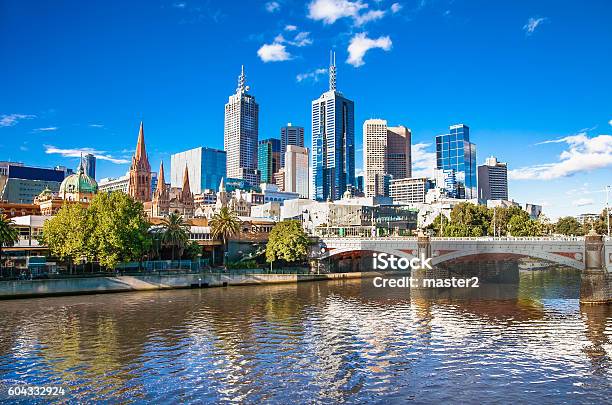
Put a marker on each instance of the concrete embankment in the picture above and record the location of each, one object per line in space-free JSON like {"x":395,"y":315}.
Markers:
{"x":96,"y":285}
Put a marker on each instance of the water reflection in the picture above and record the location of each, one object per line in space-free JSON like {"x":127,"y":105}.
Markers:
{"x":316,"y":342}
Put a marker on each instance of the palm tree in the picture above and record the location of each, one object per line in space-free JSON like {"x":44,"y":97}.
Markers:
{"x":223,"y":225}
{"x":176,"y":232}
{"x":8,"y":234}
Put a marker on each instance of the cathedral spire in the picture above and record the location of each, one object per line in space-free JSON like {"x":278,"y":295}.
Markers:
{"x":141,"y":151}
{"x":186,"y":191}
{"x":161,"y":182}
{"x":332,"y":71}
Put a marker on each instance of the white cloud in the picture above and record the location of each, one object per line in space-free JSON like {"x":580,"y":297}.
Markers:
{"x":582,"y":155}
{"x":423,"y":161}
{"x":272,"y":6}
{"x":610,"y":122}
{"x":274,"y":52}
{"x":395,"y":7}
{"x":180,"y":4}
{"x":290,"y":27}
{"x":329,"y":11}
{"x":314,"y":75}
{"x":96,"y":125}
{"x":9,"y":120}
{"x":99,"y":154}
{"x":371,"y":15}
{"x":532,"y":24}
{"x":360,"y":44}
{"x":46,"y":129}
{"x":302,"y":39}
{"x":581,"y":202}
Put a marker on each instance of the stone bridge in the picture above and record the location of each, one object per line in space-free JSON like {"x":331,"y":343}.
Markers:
{"x":591,"y":254}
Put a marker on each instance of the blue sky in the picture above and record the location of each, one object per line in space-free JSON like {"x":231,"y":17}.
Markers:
{"x":530,"y":78}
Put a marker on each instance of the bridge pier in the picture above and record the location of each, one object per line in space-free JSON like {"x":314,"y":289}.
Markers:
{"x":596,"y":283}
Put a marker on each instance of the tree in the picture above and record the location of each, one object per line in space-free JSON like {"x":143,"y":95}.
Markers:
{"x":523,"y":225}
{"x":601,"y":224}
{"x":223,"y":225}
{"x":68,"y":233}
{"x":8,"y":234}
{"x":287,"y":242}
{"x":568,"y":226}
{"x":176,"y":233}
{"x":192,"y":250}
{"x":119,"y":229}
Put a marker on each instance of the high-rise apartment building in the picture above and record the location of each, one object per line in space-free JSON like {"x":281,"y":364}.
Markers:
{"x":206,"y":166}
{"x":89,"y":165}
{"x":241,"y":131}
{"x":333,"y":142}
{"x":268,"y":159}
{"x":493,"y":180}
{"x":386,"y":156}
{"x":454,"y":151}
{"x":290,"y":135}
{"x":296,"y":170}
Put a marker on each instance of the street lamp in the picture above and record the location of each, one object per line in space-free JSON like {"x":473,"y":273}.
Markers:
{"x":608,"y":207}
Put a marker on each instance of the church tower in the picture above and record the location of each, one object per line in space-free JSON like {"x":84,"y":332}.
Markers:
{"x":140,"y":171}
{"x":161,"y":196}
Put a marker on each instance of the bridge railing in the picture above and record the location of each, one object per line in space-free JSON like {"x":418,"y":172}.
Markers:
{"x":479,"y":238}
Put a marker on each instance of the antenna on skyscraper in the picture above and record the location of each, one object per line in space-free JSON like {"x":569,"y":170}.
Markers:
{"x":332,"y":70}
{"x":241,"y":80}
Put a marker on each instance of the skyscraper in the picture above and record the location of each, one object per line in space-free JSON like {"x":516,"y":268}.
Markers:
{"x":296,"y":170}
{"x":207,"y":166}
{"x":89,"y":165}
{"x":454,"y":151}
{"x":333,"y":142}
{"x":268,"y":159}
{"x":386,"y":156}
{"x":493,"y":180}
{"x":139,"y":186}
{"x":241,"y":134}
{"x":290,"y":135}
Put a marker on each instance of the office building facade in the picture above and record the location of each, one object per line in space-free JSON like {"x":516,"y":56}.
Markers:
{"x":410,"y":190}
{"x":88,"y":162}
{"x":21,"y":184}
{"x":386,"y":156}
{"x":241,"y":132}
{"x":493,"y":180}
{"x":454,"y":151}
{"x":296,"y":170}
{"x":206,"y":167}
{"x":268,"y":159}
{"x":333,"y":143}
{"x":290,"y":135}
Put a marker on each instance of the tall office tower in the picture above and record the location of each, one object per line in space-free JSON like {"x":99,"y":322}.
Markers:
{"x":241,"y":134}
{"x":290,"y":135}
{"x":359,"y":183}
{"x":454,"y":151}
{"x":493,"y":180}
{"x":333,"y":142}
{"x":139,"y":186}
{"x":268,"y":159}
{"x":386,"y":156}
{"x":89,"y":165}
{"x":296,"y":170}
{"x":206,"y":166}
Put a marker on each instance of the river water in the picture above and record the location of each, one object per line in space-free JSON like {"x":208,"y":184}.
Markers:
{"x":314,"y":342}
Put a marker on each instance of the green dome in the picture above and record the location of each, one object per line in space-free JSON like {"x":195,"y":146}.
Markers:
{"x":79,"y":183}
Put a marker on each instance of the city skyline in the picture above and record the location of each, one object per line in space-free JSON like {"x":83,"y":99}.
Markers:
{"x":559,"y":153}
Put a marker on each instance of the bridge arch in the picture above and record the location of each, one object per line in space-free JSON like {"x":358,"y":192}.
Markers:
{"x":537,"y":254}
{"x":330,"y":253}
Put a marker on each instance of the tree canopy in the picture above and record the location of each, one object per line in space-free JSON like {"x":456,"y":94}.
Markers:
{"x":287,"y":242}
{"x":8,"y":234}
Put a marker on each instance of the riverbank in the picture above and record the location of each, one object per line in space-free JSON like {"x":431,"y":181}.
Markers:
{"x":98,"y":285}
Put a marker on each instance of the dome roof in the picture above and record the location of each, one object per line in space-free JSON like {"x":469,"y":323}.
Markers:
{"x":79,"y":183}
{"x":46,"y":192}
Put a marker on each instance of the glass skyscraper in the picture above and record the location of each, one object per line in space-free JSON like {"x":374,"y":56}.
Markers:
{"x":268,"y":159}
{"x":206,"y":167}
{"x":241,"y":131}
{"x":89,"y":165}
{"x":333,"y":143}
{"x":290,"y":135}
{"x":454,"y":151}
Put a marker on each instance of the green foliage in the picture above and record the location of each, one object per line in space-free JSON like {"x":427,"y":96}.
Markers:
{"x":224,"y":224}
{"x":192,"y":250}
{"x":469,"y":220}
{"x":176,"y":233}
{"x":248,"y":264}
{"x":8,"y":234}
{"x":287,"y":242}
{"x":112,"y":229}
{"x":568,"y":226}
{"x":601,"y":224}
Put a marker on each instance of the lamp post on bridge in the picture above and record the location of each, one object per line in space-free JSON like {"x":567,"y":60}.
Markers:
{"x":608,"y":207}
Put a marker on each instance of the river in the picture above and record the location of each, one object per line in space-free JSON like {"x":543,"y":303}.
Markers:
{"x":314,"y":342}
